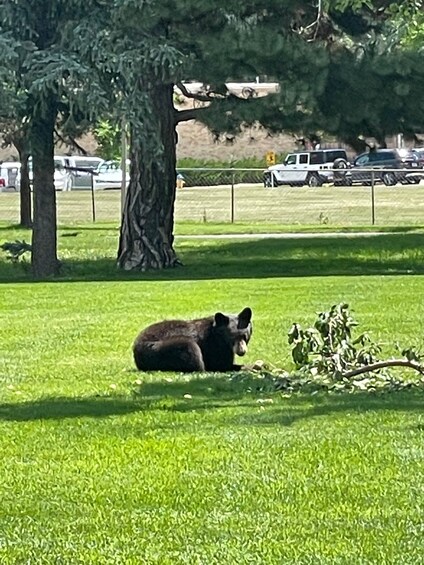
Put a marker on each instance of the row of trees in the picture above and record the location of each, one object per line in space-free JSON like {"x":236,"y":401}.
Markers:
{"x":350,"y":68}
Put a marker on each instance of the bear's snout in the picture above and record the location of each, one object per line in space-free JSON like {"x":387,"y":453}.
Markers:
{"x":240,"y":348}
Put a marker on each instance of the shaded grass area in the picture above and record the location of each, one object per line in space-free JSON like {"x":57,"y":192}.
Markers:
{"x":89,"y":253}
{"x":212,"y":393}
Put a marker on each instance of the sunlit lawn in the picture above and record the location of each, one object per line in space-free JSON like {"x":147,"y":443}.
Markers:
{"x":326,"y":206}
{"x":97,"y":468}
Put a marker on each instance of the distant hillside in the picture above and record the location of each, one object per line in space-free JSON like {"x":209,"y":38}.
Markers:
{"x":195,"y":140}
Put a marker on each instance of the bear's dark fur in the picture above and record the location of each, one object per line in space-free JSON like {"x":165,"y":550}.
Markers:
{"x":206,"y":344}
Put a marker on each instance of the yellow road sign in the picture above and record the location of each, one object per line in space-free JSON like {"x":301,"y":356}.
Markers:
{"x":270,"y":158}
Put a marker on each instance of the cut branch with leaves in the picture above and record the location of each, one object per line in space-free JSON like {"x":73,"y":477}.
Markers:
{"x":328,"y":348}
{"x":329,"y":359}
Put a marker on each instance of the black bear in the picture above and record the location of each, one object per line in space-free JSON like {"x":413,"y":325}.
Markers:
{"x":206,"y":344}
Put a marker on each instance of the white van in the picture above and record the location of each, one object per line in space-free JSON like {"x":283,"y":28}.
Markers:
{"x":66,"y":175}
{"x":81,"y":179}
{"x":9,"y":175}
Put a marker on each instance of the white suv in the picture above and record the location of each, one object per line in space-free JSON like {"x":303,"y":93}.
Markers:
{"x":9,"y":175}
{"x":66,"y":175}
{"x":309,"y":167}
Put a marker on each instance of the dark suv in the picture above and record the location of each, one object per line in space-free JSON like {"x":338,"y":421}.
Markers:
{"x":386,"y":159}
{"x":419,"y":154}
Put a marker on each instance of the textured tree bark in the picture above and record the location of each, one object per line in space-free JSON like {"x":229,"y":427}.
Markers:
{"x":44,"y":238}
{"x":146,"y":238}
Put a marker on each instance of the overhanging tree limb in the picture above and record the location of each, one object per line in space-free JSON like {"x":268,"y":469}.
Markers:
{"x":190,"y":114}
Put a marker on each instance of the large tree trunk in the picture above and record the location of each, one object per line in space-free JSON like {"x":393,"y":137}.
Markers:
{"x":146,"y":239}
{"x":25,"y":189}
{"x":44,"y":237}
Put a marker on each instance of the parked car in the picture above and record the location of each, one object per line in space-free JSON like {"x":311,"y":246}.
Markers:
{"x":80,"y":179}
{"x":9,"y":175}
{"x":419,"y":153}
{"x":109,"y":175}
{"x":61,"y":176}
{"x":309,"y":167}
{"x":66,"y":175}
{"x":382,"y":161}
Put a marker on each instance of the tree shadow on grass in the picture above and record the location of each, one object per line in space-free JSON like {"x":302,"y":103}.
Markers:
{"x":335,"y":405}
{"x":65,"y":407}
{"x":251,"y":391}
{"x":266,"y":258}
{"x":209,"y":393}
{"x":385,"y":254}
{"x":255,"y":403}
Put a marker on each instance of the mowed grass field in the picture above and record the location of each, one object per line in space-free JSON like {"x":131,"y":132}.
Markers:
{"x":102,"y":464}
{"x":298,"y":206}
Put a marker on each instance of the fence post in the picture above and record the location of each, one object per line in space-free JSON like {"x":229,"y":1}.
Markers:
{"x":93,"y":203}
{"x":372,"y":198}
{"x":232,"y":196}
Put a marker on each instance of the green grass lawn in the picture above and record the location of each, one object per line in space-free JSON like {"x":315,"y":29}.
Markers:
{"x":104,"y":465}
{"x":325,"y":206}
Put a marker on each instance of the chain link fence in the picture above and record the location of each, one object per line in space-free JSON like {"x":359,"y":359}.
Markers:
{"x":239,"y":195}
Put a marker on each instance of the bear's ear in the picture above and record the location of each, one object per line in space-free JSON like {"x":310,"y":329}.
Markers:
{"x":244,"y":318}
{"x":221,"y":319}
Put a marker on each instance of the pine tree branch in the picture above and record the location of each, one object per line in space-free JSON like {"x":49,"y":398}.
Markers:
{"x":316,"y":22}
{"x":186,"y":115}
{"x":199,"y":96}
{"x":70,"y":141}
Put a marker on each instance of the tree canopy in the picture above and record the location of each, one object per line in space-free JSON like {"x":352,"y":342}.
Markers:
{"x":350,"y":68}
{"x":342,"y":69}
{"x":45,"y":81}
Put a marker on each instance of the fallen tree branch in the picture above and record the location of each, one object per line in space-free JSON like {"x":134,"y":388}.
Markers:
{"x":382,"y":364}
